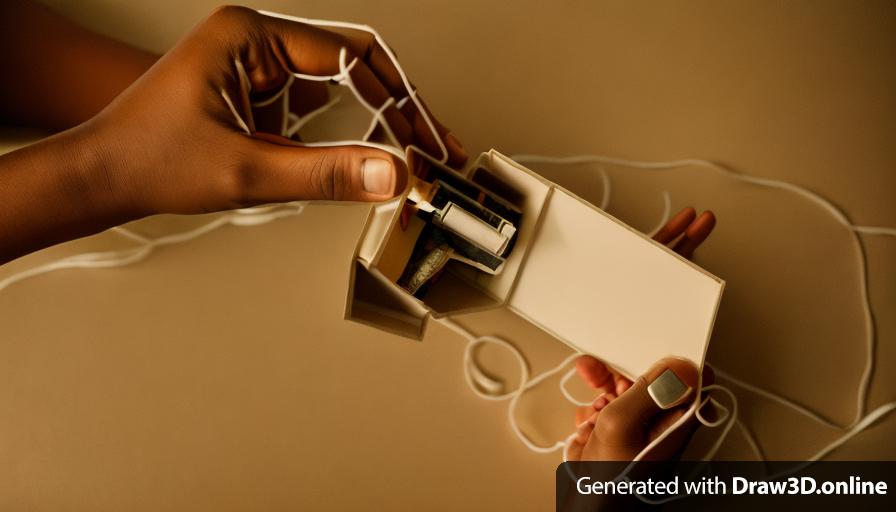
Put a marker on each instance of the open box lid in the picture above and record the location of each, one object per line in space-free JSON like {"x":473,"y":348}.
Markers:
{"x":606,"y":289}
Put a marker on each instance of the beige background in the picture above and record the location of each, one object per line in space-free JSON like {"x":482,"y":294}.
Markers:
{"x":218,"y":374}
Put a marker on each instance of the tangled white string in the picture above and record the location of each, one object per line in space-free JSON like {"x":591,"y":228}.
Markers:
{"x":861,"y":420}
{"x":490,"y":389}
{"x":145,"y":246}
{"x":482,"y":385}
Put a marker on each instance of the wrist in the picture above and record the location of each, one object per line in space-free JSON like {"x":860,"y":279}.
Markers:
{"x":103,"y":172}
{"x":59,"y":189}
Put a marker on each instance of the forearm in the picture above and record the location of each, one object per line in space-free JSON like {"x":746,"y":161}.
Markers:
{"x":171,"y":142}
{"x":55,"y":190}
{"x":57,"y":74}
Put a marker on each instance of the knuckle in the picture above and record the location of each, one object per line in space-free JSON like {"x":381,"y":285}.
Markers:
{"x":228,"y":12}
{"x":330,"y":175}
{"x":359,"y":45}
{"x":367,"y":44}
{"x":234,"y":182}
{"x":230,"y":16}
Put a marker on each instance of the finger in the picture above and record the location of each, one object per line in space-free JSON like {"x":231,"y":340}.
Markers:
{"x":675,"y":441}
{"x":376,"y":94}
{"x":313,"y":51}
{"x":574,"y":452}
{"x":457,"y":155}
{"x":277,"y":172}
{"x":584,"y":429}
{"x":676,"y":226}
{"x":583,"y":413}
{"x":265,"y":73}
{"x":695,"y":234}
{"x":593,"y":372}
{"x":366,"y":45}
{"x":382,"y":65}
{"x":310,"y":50}
{"x":602,"y":401}
{"x":664,"y":421}
{"x":297,"y":47}
{"x":580,"y":439}
{"x":625,"y":420}
{"x":622,"y":384}
{"x":423,"y":133}
{"x":278,"y":46}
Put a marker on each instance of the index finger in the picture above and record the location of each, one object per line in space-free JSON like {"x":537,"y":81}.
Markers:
{"x":313,"y":53}
{"x":366,"y":45}
{"x":428,"y":131}
{"x":594,"y":372}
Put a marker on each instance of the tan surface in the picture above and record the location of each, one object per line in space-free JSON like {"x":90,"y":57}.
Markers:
{"x":219,"y":374}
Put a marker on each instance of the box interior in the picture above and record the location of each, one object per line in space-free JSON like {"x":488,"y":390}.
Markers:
{"x":460,"y":288}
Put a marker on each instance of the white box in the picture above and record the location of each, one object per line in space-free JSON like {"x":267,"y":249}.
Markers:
{"x":575,"y":272}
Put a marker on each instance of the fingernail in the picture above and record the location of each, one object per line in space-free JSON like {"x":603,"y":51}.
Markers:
{"x":454,"y":145}
{"x":600,"y":402}
{"x":667,"y":390}
{"x":377,"y":176}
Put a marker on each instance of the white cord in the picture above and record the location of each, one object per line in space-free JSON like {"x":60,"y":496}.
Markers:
{"x":667,"y":211}
{"x":479,"y":382}
{"x":284,"y":109}
{"x":299,"y":122}
{"x":392,"y":58}
{"x":119,"y":258}
{"x":566,"y":394}
{"x":267,"y":101}
{"x":491,"y":390}
{"x":239,"y":119}
{"x":861,"y":420}
{"x":472,"y":375}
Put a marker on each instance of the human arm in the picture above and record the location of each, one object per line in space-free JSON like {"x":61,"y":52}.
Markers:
{"x":171,"y":144}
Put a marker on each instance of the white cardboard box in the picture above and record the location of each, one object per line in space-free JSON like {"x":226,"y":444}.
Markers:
{"x":576,"y":272}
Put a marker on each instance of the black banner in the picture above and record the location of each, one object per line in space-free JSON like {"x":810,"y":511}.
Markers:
{"x":770,"y":486}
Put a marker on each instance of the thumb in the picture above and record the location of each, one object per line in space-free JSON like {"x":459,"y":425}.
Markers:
{"x":277,"y":170}
{"x":623,"y":425}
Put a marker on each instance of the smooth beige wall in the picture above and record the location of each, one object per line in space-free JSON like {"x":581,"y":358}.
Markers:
{"x":219,"y":374}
